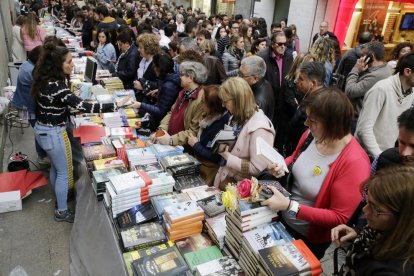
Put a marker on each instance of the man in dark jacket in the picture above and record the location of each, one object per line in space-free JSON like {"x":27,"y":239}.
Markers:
{"x":278,"y":64}
{"x":127,"y":63}
{"x":310,"y":79}
{"x":253,"y":70}
{"x":323,"y":31}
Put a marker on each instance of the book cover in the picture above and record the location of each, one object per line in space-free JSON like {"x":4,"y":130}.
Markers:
{"x":202,"y":256}
{"x":225,"y":266}
{"x":131,"y":256}
{"x":182,"y":211}
{"x":98,"y":152}
{"x":161,"y":201}
{"x":177,"y":160}
{"x":102,"y":176}
{"x":212,"y":205}
{"x":143,"y":234}
{"x":268,"y":154}
{"x":266,"y":236}
{"x":290,"y":258}
{"x":150,"y":168}
{"x":127,"y":182}
{"x":188,"y":181}
{"x":267,"y":193}
{"x":136,"y":215}
{"x":167,"y":262}
{"x":193,"y":243}
{"x":108,"y":163}
{"x":200,"y":192}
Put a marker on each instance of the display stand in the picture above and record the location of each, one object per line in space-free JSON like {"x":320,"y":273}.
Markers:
{"x":94,"y":247}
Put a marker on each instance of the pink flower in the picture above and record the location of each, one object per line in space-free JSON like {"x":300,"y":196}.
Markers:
{"x":244,"y":188}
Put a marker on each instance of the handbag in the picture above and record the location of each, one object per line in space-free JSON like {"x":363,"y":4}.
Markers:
{"x":338,"y":270}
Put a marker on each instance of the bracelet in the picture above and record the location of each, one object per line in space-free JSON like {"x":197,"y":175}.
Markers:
{"x":290,"y":202}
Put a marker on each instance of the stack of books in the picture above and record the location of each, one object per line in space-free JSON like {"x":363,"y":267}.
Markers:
{"x":112,"y":84}
{"x":162,"y":201}
{"x":130,"y":257}
{"x":92,"y":120}
{"x":141,"y":156}
{"x":216,"y":229}
{"x":166,"y":150}
{"x":180,"y":164}
{"x":114,"y":119}
{"x":225,"y":266}
{"x":123,"y":132}
{"x":291,"y":258}
{"x":162,"y":183}
{"x":100,"y":178}
{"x":198,"y":249}
{"x":126,"y":191}
{"x":263,"y":237}
{"x":246,"y":217}
{"x":142,"y":236}
{"x":97,"y":152}
{"x":183,"y":219}
{"x":104,"y":98}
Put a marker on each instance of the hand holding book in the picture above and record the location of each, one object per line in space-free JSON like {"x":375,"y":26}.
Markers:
{"x":278,"y":201}
{"x":276,"y":169}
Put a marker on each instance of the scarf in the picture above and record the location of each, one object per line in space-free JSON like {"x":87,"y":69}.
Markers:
{"x":206,"y":122}
{"x":360,"y":249}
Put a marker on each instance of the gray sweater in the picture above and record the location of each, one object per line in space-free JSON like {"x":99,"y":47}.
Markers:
{"x":377,"y":128}
{"x":358,"y":84}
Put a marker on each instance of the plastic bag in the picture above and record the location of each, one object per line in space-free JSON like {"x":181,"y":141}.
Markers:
{"x":18,"y":271}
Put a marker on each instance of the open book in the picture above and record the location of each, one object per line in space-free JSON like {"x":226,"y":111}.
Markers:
{"x":269,"y":154}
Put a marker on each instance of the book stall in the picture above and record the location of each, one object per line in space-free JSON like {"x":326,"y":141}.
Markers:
{"x":143,"y":209}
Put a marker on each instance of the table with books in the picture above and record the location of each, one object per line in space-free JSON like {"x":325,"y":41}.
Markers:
{"x":143,"y":209}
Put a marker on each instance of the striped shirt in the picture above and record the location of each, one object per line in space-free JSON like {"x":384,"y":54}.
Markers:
{"x":54,"y":101}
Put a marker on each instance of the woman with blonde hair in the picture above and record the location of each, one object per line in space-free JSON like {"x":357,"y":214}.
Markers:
{"x":385,"y":246}
{"x":248,"y":123}
{"x":31,"y":33}
{"x":324,"y":52}
{"x":148,"y":46}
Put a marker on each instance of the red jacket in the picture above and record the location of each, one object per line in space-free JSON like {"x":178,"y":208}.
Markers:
{"x":339,"y":195}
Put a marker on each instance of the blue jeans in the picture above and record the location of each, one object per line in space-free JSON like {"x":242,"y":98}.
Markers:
{"x":54,"y":140}
{"x":40,"y":152}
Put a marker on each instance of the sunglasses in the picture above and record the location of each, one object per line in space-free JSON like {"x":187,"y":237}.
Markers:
{"x":280,"y":44}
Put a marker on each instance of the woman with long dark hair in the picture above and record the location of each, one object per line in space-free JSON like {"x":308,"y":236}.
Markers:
{"x":53,"y":98}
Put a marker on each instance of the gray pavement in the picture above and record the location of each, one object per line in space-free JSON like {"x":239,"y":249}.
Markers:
{"x":32,"y":239}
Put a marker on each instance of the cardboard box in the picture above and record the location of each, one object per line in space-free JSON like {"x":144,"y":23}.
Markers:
{"x":10,"y":201}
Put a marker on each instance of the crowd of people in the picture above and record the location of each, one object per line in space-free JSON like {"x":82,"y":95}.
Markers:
{"x":343,"y":123}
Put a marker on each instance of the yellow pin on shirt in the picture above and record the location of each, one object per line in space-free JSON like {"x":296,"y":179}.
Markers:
{"x":317,"y":171}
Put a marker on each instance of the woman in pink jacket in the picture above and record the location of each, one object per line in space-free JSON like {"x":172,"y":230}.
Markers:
{"x":327,"y":169}
{"x":248,"y":123}
{"x":31,"y":33}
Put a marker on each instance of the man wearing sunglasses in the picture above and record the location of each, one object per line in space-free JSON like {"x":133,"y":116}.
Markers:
{"x":278,"y":63}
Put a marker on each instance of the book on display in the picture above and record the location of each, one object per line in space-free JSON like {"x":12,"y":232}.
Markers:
{"x":143,"y":235}
{"x":225,"y":266}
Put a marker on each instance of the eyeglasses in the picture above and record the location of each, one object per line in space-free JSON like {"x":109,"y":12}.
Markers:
{"x":377,"y":212}
{"x":244,"y":76}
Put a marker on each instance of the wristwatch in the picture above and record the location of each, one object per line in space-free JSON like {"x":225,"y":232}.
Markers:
{"x":293,"y":210}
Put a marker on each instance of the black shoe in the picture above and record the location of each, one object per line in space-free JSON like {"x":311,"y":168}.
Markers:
{"x":66,"y":215}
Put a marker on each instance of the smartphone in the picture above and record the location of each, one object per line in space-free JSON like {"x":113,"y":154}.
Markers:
{"x":369,"y":58}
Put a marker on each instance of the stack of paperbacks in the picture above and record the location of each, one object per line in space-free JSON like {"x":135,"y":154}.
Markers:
{"x":262,"y":237}
{"x":101,"y":178}
{"x":166,"y":150}
{"x":90,"y":134}
{"x":114,"y":119}
{"x":141,"y":156}
{"x":23,"y":181}
{"x":216,"y":228}
{"x":246,"y":217}
{"x":97,"y":152}
{"x":291,"y":258}
{"x":183,"y":219}
{"x":198,"y":249}
{"x":142,"y":236}
{"x":126,"y":190}
{"x":112,"y":84}
{"x":162,"y":201}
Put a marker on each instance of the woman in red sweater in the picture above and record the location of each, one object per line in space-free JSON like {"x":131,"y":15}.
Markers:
{"x":327,"y":168}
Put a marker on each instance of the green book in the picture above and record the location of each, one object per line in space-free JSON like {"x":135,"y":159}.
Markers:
{"x":202,"y":256}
